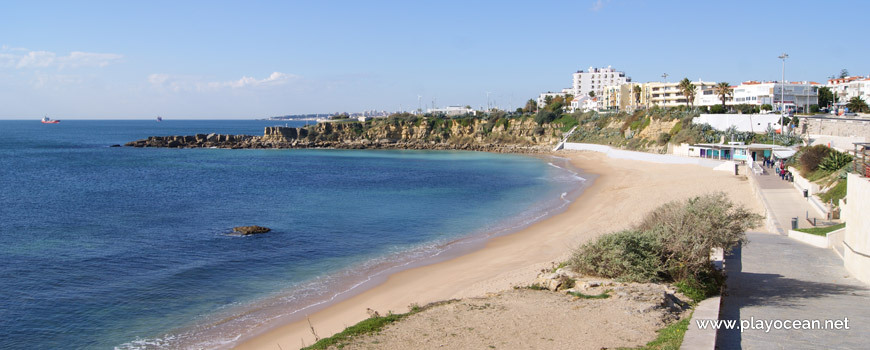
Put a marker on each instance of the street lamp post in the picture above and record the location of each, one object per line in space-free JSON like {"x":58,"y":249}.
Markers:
{"x":665,"y":86}
{"x":782,"y":95}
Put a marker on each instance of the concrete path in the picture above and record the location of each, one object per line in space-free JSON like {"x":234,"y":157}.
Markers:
{"x":786,"y":202}
{"x":776,"y":278}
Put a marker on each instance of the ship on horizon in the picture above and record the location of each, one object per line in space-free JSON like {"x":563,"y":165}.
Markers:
{"x":159,"y":118}
{"x":47,"y":120}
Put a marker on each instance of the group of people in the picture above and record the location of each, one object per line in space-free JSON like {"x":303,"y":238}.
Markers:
{"x":780,"y":167}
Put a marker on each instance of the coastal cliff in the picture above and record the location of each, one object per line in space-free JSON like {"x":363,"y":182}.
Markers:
{"x":501,"y":135}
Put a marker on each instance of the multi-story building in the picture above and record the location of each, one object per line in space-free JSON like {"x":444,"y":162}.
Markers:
{"x":623,"y":97}
{"x":669,"y":94}
{"x":596,"y":79}
{"x":847,"y":88}
{"x":791,"y":95}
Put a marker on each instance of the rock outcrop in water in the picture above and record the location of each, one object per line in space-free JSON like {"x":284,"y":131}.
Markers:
{"x":250,"y":230}
{"x":503,"y":135}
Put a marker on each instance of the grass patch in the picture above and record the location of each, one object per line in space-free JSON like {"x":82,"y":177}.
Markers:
{"x":670,"y":337}
{"x":368,"y":326}
{"x":604,"y":295}
{"x":822,"y":231}
{"x":532,"y":287}
{"x":835,"y":194}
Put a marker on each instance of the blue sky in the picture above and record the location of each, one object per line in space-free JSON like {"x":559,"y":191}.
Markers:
{"x":253,"y":59}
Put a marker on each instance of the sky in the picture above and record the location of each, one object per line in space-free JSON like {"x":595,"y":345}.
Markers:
{"x":255,"y":59}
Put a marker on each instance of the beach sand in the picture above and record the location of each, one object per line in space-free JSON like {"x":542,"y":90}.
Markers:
{"x":624,"y":191}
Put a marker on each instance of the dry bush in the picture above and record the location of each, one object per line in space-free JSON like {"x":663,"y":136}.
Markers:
{"x":689,"y":230}
{"x":672,"y":243}
{"x":811,"y":157}
{"x":631,"y":256}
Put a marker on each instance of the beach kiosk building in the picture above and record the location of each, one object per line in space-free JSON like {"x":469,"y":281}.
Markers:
{"x":737,"y":151}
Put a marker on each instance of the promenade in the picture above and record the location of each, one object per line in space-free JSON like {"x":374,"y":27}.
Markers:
{"x":785,"y":202}
{"x":776,"y":278}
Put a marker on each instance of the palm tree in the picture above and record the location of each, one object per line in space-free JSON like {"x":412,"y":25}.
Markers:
{"x":637,"y":91}
{"x":688,"y":90}
{"x":723,"y":90}
{"x":856,"y":104}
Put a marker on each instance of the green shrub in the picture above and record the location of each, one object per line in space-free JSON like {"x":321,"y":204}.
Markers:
{"x":717,"y":109}
{"x":701,"y":287}
{"x":632,"y":256}
{"x":545,"y":117}
{"x":834,"y":161}
{"x":663,"y":138}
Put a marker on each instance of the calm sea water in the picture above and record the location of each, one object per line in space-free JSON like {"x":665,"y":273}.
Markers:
{"x":127,"y":248}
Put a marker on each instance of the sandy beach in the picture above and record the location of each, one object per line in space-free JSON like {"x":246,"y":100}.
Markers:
{"x":622,"y":193}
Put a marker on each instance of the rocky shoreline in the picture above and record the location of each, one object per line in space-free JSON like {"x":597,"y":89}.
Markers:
{"x":521,"y":137}
{"x":255,"y":142}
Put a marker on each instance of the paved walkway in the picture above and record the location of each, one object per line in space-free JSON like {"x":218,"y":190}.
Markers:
{"x":776,"y":278}
{"x":786,"y":202}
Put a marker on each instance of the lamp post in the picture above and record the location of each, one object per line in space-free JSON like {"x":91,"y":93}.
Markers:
{"x":664,"y":86}
{"x":782,"y":94}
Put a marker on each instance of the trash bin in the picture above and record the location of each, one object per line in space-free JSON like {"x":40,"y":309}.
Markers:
{"x":794,"y":222}
{"x":806,"y":193}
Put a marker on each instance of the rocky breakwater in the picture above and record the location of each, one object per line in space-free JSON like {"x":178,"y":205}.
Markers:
{"x":198,"y":140}
{"x":503,"y":135}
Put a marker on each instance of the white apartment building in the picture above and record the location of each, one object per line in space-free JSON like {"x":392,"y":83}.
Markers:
{"x":849,"y":87}
{"x":669,"y":94}
{"x":596,"y":79}
{"x":792,"y":95}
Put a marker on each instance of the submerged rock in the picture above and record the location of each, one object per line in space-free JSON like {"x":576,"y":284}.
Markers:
{"x":250,"y":230}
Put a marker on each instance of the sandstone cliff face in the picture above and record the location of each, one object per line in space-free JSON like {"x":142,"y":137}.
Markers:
{"x":514,"y":135}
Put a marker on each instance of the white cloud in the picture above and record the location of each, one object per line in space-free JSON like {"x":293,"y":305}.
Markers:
{"x":599,"y":4}
{"x":178,"y":83}
{"x":43,"y":80}
{"x":11,"y":57}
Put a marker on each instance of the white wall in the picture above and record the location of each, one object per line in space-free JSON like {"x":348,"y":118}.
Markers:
{"x":643,"y":156}
{"x":744,"y":122}
{"x":856,"y":241}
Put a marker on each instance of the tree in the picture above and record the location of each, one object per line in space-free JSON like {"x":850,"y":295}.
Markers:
{"x":844,"y":73}
{"x":826,"y":97}
{"x":688,"y":90}
{"x":856,"y":104}
{"x":723,"y":90}
{"x":548,"y":99}
{"x":637,"y":91}
{"x":766,"y":107}
{"x":531,"y":106}
{"x":591,"y":93}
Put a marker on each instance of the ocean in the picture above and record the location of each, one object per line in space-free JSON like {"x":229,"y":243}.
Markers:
{"x":129,"y":248}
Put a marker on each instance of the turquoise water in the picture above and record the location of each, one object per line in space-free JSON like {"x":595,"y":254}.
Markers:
{"x":128,"y":248}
